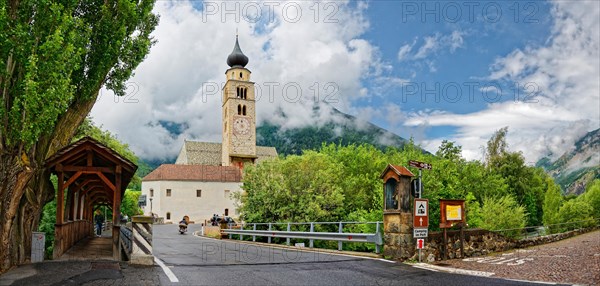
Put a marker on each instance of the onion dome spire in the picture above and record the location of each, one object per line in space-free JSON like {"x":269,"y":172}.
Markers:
{"x":237,"y":58}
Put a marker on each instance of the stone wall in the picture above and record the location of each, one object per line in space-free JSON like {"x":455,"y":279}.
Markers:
{"x":479,"y":242}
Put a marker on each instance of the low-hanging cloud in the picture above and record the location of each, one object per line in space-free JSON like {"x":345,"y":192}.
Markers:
{"x":297,"y":61}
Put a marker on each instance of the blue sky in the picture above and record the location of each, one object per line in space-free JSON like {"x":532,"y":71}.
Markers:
{"x":385,"y":62}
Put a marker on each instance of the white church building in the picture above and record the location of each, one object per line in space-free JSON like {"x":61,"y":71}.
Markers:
{"x":205,"y":175}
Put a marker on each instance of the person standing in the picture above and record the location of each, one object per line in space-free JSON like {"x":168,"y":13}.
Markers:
{"x":99,"y":219}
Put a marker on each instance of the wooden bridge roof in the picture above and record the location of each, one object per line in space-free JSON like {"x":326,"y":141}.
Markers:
{"x":93,"y":168}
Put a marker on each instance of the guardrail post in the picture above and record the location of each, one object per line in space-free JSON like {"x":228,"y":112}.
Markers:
{"x":229,"y":227}
{"x":287,"y":241}
{"x":254,"y":236}
{"x":312,"y":229}
{"x":141,"y":248}
{"x":269,"y":238}
{"x":341,"y":229}
{"x":377,"y":246}
{"x":241,"y":228}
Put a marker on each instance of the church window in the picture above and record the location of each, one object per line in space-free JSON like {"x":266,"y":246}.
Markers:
{"x":232,"y":75}
{"x":238,"y":92}
{"x":240,"y":74}
{"x":151,"y":192}
{"x":168,"y":215}
{"x":239,"y":109}
{"x":244,"y":93}
{"x":168,"y":192}
{"x":198,"y":193}
{"x":226,"y":212}
{"x":244,"y":110}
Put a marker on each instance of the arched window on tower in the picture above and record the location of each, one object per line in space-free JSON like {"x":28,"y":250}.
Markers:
{"x":238,"y":92}
{"x":239,"y":109}
{"x":245,"y":93}
{"x":244,"y":110}
{"x":232,"y":75}
{"x":240,"y":75}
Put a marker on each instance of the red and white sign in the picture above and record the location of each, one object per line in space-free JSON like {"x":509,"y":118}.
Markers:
{"x":420,"y":165}
{"x":420,"y":243}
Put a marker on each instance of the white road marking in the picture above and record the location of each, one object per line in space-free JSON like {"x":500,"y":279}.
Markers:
{"x":166,"y":269}
{"x":527,"y":281}
{"x":453,"y":270}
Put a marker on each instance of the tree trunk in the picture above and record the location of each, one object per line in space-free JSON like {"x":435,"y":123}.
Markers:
{"x":25,"y":186}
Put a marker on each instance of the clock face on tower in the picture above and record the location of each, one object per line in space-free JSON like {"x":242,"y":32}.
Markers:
{"x":241,"y":125}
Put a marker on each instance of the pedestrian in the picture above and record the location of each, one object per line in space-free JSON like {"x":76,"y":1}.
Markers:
{"x":99,"y":221}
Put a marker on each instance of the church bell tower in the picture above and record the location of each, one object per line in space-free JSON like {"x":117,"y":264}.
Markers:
{"x":239,"y":115}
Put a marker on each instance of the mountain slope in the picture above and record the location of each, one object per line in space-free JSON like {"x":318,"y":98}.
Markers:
{"x":575,"y":169}
{"x":344,"y":129}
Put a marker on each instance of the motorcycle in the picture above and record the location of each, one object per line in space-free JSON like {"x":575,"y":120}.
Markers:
{"x":182,"y":228}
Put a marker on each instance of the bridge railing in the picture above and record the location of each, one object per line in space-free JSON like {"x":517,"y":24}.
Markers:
{"x":312,"y":235}
{"x":125,"y":237}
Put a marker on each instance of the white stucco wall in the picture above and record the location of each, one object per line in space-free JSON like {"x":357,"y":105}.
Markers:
{"x":183,"y":200}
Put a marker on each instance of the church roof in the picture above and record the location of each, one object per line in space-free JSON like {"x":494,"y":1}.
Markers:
{"x":208,"y":153}
{"x":173,"y":172}
{"x":237,"y":57}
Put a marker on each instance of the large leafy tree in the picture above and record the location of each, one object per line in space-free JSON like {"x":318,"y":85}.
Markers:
{"x":54,"y":58}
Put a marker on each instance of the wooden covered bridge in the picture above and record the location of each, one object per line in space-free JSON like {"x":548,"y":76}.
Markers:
{"x":90,"y":175}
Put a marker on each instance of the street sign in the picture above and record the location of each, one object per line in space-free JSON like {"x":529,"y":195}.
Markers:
{"x":420,"y":232}
{"x":420,"y":165}
{"x":142,"y":201}
{"x":421,"y":213}
{"x":420,"y":243}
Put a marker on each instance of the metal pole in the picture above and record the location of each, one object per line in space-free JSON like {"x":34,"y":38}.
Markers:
{"x":254,"y":236}
{"x":229,"y":226}
{"x":377,"y":246}
{"x":241,"y":228}
{"x":269,"y":238}
{"x":420,"y":183}
{"x":339,"y":242}
{"x":287,"y":241}
{"x":312,"y":229}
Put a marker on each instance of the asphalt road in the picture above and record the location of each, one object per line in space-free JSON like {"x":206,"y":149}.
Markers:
{"x":202,"y":261}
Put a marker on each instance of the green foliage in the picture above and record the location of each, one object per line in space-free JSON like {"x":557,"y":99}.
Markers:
{"x":129,"y":203}
{"x":504,"y":214}
{"x":526,"y":184}
{"x":59,"y":53}
{"x":552,"y":203}
{"x":575,"y":214}
{"x":592,"y":197}
{"x":87,"y":128}
{"x":47,"y":222}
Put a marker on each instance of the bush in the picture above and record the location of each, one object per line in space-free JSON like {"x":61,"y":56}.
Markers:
{"x":503,"y":214}
{"x":575,"y":214}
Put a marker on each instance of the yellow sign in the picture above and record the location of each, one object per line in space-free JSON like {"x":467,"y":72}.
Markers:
{"x":453,"y":212}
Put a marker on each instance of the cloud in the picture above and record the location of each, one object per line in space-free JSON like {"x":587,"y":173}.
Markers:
{"x":564,"y":73}
{"x":180,"y":81}
{"x":431,"y":45}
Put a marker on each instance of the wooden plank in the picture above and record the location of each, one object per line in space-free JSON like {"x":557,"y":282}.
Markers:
{"x":60,"y":199}
{"x":71,"y":180}
{"x":106,"y":181}
{"x":89,"y":169}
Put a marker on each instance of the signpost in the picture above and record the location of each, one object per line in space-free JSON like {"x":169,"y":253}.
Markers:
{"x":421,"y":208}
{"x":452,"y":213}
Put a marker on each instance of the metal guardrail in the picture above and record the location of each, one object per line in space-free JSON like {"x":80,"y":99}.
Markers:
{"x":340,"y":236}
